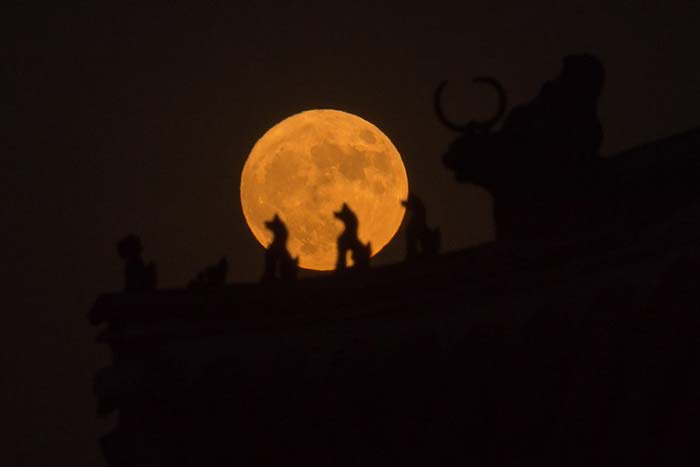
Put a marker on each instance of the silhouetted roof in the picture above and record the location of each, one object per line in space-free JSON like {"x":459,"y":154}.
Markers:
{"x":457,"y":281}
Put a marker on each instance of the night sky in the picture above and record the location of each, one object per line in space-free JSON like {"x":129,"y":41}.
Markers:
{"x":139,"y":119}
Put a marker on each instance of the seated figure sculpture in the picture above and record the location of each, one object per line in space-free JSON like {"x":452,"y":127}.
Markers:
{"x":421,"y":240}
{"x":138,"y":277}
{"x":279,"y":264}
{"x":348,"y":241}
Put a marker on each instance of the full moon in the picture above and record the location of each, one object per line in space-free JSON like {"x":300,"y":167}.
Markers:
{"x":306,"y":166}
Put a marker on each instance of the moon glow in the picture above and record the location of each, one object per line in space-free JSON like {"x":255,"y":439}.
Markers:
{"x":306,"y":166}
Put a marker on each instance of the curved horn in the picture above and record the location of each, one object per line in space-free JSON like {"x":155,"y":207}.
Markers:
{"x":437,"y":101}
{"x":502,"y":101}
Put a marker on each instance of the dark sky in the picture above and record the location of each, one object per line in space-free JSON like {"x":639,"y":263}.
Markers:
{"x":131,"y":118}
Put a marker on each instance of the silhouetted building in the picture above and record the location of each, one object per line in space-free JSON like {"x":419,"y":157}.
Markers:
{"x":578,"y":351}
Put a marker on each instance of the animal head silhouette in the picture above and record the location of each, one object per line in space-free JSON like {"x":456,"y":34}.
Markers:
{"x":346,"y":216}
{"x":532,"y":134}
{"x":277,"y":227}
{"x":463,"y":153}
{"x":413,"y":203}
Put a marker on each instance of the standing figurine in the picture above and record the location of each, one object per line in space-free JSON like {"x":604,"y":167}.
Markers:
{"x":138,"y":277}
{"x":421,"y":241}
{"x":348,"y":241}
{"x":279,"y":263}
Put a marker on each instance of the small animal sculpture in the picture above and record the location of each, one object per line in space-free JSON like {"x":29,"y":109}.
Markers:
{"x":279,"y":264}
{"x":138,"y":277}
{"x":421,"y":241}
{"x":348,"y":241}
{"x":212,"y":277}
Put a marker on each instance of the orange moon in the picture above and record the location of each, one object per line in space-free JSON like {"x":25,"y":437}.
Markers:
{"x":306,"y":166}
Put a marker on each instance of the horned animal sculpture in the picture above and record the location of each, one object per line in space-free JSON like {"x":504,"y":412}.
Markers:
{"x":544,"y":151}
